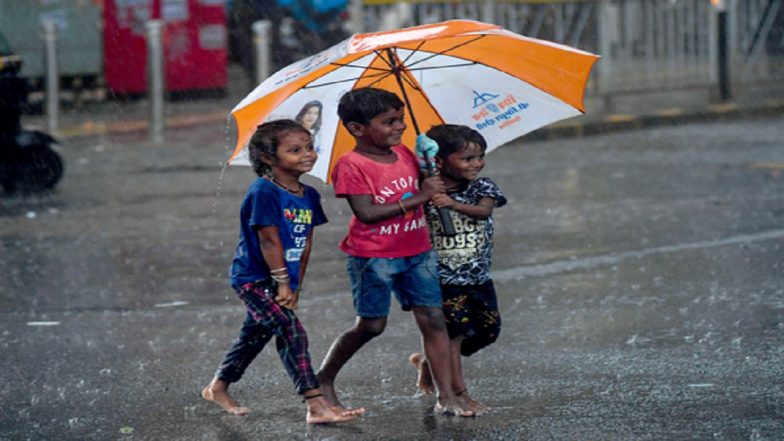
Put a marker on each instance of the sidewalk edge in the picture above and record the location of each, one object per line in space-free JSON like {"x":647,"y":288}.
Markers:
{"x":578,"y":126}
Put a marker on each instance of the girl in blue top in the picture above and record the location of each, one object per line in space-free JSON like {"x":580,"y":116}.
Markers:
{"x":276,"y":229}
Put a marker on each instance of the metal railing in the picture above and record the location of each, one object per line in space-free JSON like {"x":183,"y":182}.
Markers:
{"x":654,"y":44}
{"x":645,"y":44}
{"x":758,"y":29}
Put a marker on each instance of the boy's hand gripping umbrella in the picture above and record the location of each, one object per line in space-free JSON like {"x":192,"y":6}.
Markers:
{"x":426,"y":150}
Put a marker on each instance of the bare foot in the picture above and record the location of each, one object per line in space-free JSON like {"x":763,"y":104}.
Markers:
{"x":218,"y":392}
{"x":424,"y":380}
{"x":476,"y":406}
{"x":328,"y":391}
{"x":320,"y":411}
{"x":452,"y":407}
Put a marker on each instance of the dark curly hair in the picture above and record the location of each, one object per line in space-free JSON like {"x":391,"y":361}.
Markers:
{"x":265,"y":142}
{"x":363,"y":104}
{"x":452,"y":138}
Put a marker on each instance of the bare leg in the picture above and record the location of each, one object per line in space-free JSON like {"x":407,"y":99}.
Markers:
{"x":424,"y":379}
{"x":364,"y":330}
{"x":439,"y":355}
{"x":458,"y":385}
{"x":218,"y":392}
{"x":321,"y":411}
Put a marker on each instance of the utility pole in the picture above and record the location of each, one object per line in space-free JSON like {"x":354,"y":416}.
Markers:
{"x":52,"y":77}
{"x":722,"y":49}
{"x":155,"y":79}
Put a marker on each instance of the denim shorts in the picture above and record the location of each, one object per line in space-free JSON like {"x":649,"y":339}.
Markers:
{"x":414,"y":280}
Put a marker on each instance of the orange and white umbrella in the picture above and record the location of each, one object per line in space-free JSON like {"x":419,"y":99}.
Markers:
{"x":462,"y":72}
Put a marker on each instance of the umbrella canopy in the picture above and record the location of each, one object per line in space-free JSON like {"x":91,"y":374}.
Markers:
{"x":462,"y":72}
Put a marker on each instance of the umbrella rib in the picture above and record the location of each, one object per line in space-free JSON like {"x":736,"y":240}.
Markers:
{"x":435,"y":54}
{"x":389,"y":62}
{"x":473,"y":63}
{"x":379,"y":80}
{"x":422,"y":43}
{"x":410,"y":82}
{"x":382,"y":74}
{"x":403,"y":68}
{"x":359,"y":67}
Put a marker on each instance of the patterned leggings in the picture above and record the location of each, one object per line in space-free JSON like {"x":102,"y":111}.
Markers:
{"x":264,"y":320}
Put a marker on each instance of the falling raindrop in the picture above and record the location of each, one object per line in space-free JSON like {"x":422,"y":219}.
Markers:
{"x":218,"y":189}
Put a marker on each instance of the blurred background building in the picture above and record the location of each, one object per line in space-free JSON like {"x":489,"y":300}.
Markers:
{"x":646,"y":45}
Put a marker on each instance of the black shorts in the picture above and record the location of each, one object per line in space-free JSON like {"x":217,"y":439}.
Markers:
{"x":471,"y":311}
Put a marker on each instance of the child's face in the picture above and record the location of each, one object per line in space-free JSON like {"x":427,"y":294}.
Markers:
{"x":295,"y":154}
{"x":386,"y":129}
{"x":464,"y":164}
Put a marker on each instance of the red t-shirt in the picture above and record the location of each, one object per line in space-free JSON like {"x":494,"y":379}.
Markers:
{"x":400,"y":236}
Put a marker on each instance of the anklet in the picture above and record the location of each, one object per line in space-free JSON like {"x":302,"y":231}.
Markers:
{"x":311,"y":397}
{"x":461,"y":392}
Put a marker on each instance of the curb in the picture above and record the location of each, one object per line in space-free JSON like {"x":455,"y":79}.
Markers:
{"x":665,"y":117}
{"x":579,"y":127}
{"x":91,"y":128}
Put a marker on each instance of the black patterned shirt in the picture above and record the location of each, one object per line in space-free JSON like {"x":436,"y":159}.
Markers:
{"x":464,"y":259}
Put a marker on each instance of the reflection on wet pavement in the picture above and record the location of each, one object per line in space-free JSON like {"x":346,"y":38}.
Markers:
{"x":639,"y":274}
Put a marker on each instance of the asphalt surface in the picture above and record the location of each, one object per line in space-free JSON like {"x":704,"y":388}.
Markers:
{"x":639,"y":275}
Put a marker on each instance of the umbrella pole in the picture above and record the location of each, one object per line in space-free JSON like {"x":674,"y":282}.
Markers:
{"x":443,"y":213}
{"x":396,"y":69}
{"x":408,"y":104}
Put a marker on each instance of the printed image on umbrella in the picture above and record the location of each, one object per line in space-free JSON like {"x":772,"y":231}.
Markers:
{"x":462,"y":72}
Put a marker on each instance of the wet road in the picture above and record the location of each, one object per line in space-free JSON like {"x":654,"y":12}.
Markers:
{"x":640,"y":276}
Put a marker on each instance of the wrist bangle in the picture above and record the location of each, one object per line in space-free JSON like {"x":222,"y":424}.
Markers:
{"x":402,"y":208}
{"x":280,"y":278}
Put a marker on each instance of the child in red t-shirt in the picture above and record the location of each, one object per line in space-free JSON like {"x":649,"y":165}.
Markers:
{"x":388,"y":242}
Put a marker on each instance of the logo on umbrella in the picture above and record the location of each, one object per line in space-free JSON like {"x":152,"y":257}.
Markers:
{"x":482,"y":98}
{"x":503,"y":112}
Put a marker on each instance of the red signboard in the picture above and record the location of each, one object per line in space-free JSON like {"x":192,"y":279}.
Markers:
{"x":194,"y":41}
